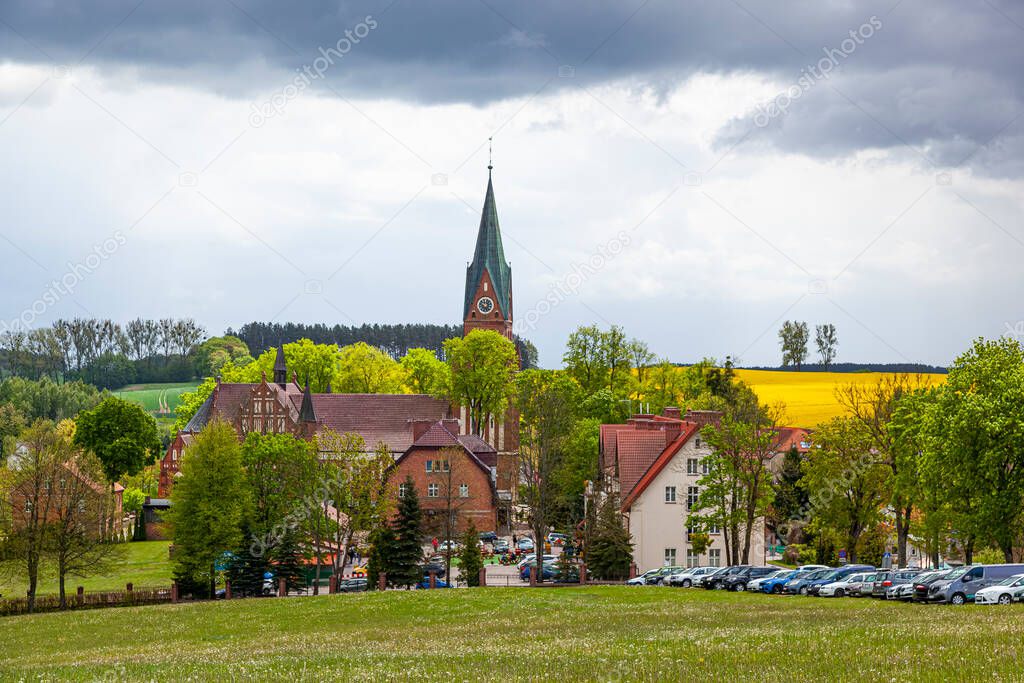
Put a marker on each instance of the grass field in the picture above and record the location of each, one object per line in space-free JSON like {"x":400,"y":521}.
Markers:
{"x":156,"y":398}
{"x":145,"y":564}
{"x":809,"y":396}
{"x":566,"y":634}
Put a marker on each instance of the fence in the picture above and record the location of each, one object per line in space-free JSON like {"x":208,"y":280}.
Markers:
{"x":92,"y":600}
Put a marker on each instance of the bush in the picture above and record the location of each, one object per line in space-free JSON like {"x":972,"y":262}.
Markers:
{"x":470,"y":559}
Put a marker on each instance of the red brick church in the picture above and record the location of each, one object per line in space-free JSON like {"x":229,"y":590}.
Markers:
{"x":429,"y":438}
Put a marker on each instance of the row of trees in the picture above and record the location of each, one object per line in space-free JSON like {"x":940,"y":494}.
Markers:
{"x":103,"y":352}
{"x":794,"y":336}
{"x":396,"y":340}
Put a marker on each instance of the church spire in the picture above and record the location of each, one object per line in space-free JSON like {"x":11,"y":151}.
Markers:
{"x":306,"y":411}
{"x":280,"y":368}
{"x":488,"y":299}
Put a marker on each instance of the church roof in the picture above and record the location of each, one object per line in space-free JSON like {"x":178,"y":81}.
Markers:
{"x":490,"y":257}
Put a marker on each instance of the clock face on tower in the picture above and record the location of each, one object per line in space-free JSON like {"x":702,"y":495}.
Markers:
{"x":485,"y":305}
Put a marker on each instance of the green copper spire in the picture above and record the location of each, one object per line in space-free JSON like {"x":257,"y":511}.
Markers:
{"x":489,"y":257}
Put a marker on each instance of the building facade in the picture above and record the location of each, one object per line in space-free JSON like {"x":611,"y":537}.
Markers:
{"x":654,"y":463}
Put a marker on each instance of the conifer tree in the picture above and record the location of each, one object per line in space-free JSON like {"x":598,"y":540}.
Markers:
{"x":407,"y":553}
{"x":610,"y":551}
{"x":382,"y":546}
{"x":470,"y":559}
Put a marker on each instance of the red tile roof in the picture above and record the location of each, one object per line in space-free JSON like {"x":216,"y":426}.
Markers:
{"x":376,"y":417}
{"x":637,"y":451}
{"x":663,"y":459}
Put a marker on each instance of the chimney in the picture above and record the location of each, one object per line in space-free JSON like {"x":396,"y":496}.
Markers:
{"x":419,"y":428}
{"x":452,"y":425}
{"x":704,"y":417}
{"x":672,"y":430}
{"x":671,"y":412}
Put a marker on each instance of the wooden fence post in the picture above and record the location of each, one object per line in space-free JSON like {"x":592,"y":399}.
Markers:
{"x":433,"y":579}
{"x":282,"y":587}
{"x":227,"y":589}
{"x":632,"y":570}
{"x":483,"y":577}
{"x":174,"y":591}
{"x":382,"y":581}
{"x":583,"y":572}
{"x":332,"y":584}
{"x":533,"y":575}
{"x":80,"y":596}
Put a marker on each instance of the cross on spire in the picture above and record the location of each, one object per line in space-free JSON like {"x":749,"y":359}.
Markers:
{"x":490,"y":154}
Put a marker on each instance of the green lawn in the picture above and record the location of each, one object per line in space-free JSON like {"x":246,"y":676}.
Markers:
{"x":565,"y":634}
{"x":145,"y":564}
{"x":153,"y":397}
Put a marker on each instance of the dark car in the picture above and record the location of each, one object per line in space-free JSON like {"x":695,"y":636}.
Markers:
{"x":738,"y":581}
{"x":798,"y":584}
{"x":923,"y":581}
{"x":488,"y":536}
{"x":356,"y":585}
{"x":438,"y":583}
{"x":717,"y":581}
{"x":884,"y":579}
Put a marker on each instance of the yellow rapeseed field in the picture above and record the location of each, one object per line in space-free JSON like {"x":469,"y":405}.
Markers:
{"x":809,"y":396}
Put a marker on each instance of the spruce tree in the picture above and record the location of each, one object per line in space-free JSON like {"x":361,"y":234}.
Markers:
{"x":470,"y":558}
{"x":288,"y":561}
{"x":407,"y":553}
{"x":247,"y":566}
{"x":610,"y":551}
{"x":382,"y":548}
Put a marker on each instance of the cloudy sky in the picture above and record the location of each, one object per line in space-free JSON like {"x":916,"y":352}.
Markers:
{"x":697,"y":172}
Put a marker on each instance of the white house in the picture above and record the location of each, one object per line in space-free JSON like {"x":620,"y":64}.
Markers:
{"x":655,"y":462}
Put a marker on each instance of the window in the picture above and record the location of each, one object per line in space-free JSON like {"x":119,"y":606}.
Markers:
{"x":697,"y":442}
{"x":670,"y":557}
{"x":670,"y":494}
{"x":463,"y":490}
{"x":445,"y":466}
{"x":402,"y":490}
{"x":430,"y":466}
{"x":691,"y":465}
{"x":704,"y":467}
{"x":691,"y":529}
{"x":692,"y":559}
{"x":692,"y":493}
{"x":432,"y":491}
{"x":28,"y":505}
{"x":438,"y":466}
{"x":715,"y":557}
{"x":81,"y":505}
{"x":713,"y":529}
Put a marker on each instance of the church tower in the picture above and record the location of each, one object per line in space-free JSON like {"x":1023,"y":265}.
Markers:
{"x":488,"y":301}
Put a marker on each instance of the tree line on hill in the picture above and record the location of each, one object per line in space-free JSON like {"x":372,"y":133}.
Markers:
{"x":103,"y":352}
{"x":393,"y":339}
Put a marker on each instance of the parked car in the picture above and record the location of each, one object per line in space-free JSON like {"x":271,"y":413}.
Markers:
{"x":774,"y":584}
{"x":448,"y":547}
{"x":689,"y":577}
{"x":532,"y":559}
{"x":737,"y":581}
{"x":424,"y":584}
{"x":812,"y":567}
{"x":501,"y":546}
{"x":436,"y":566}
{"x":548,"y":572}
{"x":353,"y":585}
{"x":706,"y":580}
{"x":798,"y":584}
{"x":755,"y":584}
{"x":842,"y":586}
{"x":525,"y":544}
{"x":855,"y":583}
{"x":1010,"y":589}
{"x":904,"y":592}
{"x":813,"y":587}
{"x":887,"y":578}
{"x":866,"y":586}
{"x":662,"y":574}
{"x":717,"y":581}
{"x":963,"y":583}
{"x":922,"y":582}
{"x":488,"y":536}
